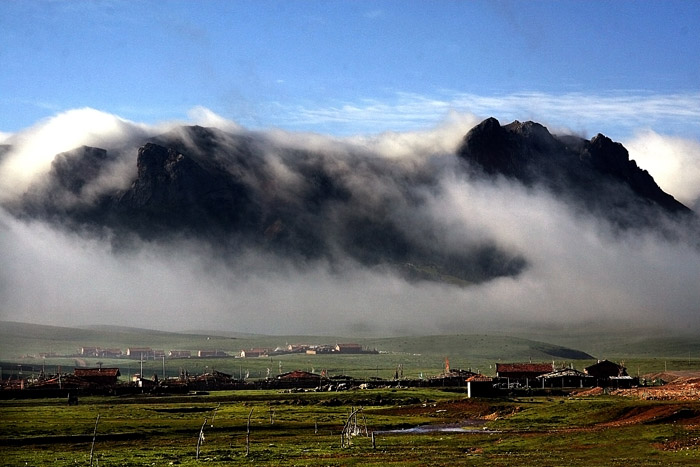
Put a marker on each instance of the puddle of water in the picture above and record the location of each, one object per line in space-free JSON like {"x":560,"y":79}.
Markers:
{"x":438,"y":429}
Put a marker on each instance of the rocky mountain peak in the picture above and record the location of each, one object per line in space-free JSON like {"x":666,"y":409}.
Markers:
{"x":489,"y":146}
{"x":535,"y":136}
{"x":609,"y":157}
{"x":598,"y":172}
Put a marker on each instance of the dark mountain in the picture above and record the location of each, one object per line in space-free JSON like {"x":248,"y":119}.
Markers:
{"x":597,"y":174}
{"x":342,"y":204}
{"x":179,"y":191}
{"x":73,"y":169}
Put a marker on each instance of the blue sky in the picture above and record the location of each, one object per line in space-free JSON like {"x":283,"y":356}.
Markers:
{"x":346,"y":67}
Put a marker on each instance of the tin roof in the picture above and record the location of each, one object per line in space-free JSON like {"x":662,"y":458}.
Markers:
{"x":564,"y":372}
{"x":92,"y":372}
{"x":523,"y":367}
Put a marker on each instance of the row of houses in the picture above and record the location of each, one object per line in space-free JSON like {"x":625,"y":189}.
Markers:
{"x":86,"y":351}
{"x":533,"y":377}
{"x":81,"y":378}
{"x":346,"y":348}
{"x":520,"y":375}
{"x":145,"y":353}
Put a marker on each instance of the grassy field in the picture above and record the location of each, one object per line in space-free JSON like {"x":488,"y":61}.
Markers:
{"x":305,"y":429}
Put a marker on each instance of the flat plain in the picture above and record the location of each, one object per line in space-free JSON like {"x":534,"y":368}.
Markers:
{"x":393,"y":426}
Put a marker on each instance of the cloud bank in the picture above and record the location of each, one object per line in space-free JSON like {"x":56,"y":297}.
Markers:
{"x":674,"y":162}
{"x":579,"y":270}
{"x":618,"y":113}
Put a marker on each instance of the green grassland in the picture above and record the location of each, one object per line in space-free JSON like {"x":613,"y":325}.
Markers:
{"x":305,"y":429}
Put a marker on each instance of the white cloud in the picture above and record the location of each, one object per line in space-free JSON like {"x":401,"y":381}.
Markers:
{"x":205,"y":117}
{"x":615,"y":114}
{"x":578,"y":272}
{"x":578,"y":269}
{"x":623,"y":109}
{"x":673,"y":162}
{"x":34,"y":149}
{"x":442,"y":139}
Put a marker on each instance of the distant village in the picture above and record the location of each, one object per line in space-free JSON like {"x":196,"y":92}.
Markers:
{"x":147,"y":353}
{"x":529,"y":378}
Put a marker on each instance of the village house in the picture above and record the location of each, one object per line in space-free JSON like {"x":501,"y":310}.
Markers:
{"x":522,"y":373}
{"x":179,"y":354}
{"x":254,"y":353}
{"x":605,"y":369}
{"x":320,"y":349}
{"x":143,"y":382}
{"x":566,"y":378}
{"x":479,"y":386}
{"x":139,"y":352}
{"x":610,"y":374}
{"x":98,"y":376}
{"x":215,"y":376}
{"x":348,"y":348}
{"x":99,"y":352}
{"x":89,"y":351}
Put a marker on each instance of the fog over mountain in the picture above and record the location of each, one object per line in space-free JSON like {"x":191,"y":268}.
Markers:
{"x":471,"y":225}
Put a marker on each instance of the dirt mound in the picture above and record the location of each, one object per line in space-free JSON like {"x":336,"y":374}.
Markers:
{"x":671,"y":413}
{"x":638,"y":415}
{"x":688,"y":376}
{"x":685,"y":389}
{"x":680,"y":386}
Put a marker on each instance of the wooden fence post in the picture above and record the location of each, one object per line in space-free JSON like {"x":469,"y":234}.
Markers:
{"x":201,"y":438}
{"x":247,"y":434}
{"x":94,"y":436}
